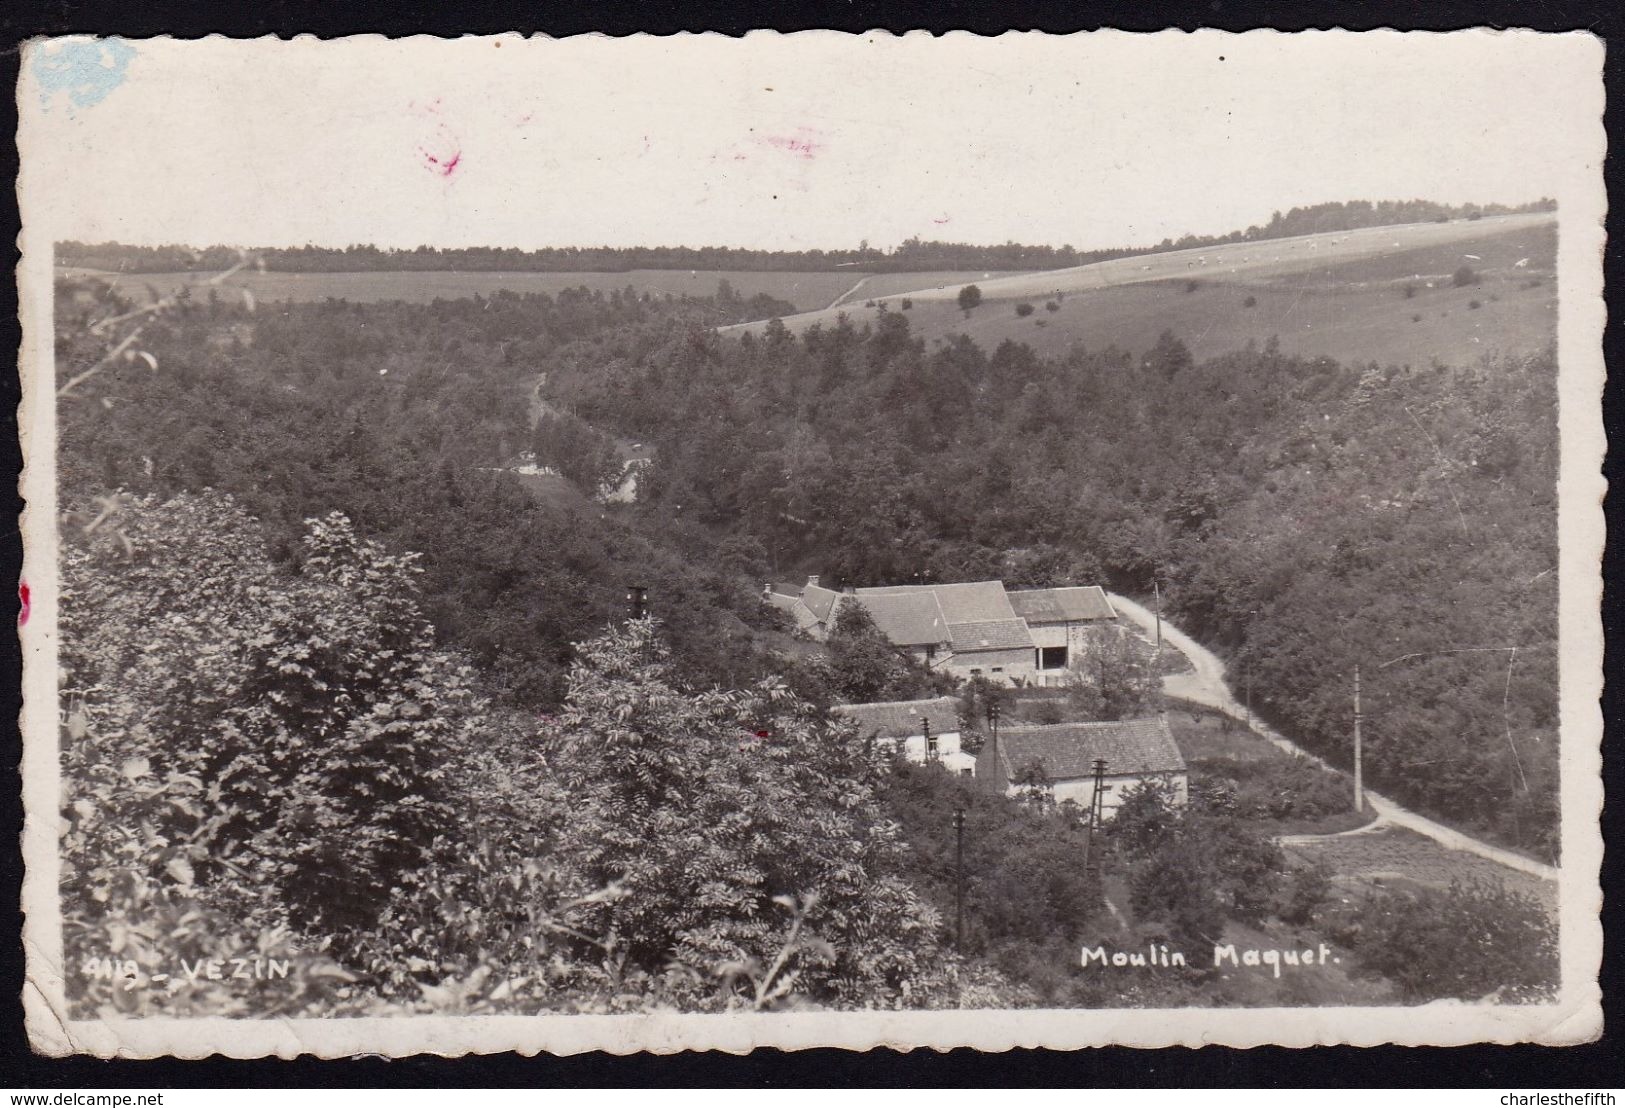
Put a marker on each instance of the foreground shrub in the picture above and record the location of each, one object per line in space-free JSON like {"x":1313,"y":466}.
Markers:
{"x":1472,"y":941}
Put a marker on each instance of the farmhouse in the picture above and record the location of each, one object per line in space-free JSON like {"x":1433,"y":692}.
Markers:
{"x":1063,"y":756}
{"x":971,"y":629}
{"x":902,"y":724}
{"x":1062,"y":623}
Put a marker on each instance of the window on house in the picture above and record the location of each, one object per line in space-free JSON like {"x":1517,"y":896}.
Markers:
{"x":998,"y":669}
{"x":975,"y":672}
{"x":1052,"y":657}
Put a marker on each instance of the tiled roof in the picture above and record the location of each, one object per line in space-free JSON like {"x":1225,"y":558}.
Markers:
{"x":898,"y":719}
{"x":1068,"y":750}
{"x":910,"y":619}
{"x":990,"y":634}
{"x":820,"y":601}
{"x":796,"y":609}
{"x":1062,"y":605}
{"x":969,"y":602}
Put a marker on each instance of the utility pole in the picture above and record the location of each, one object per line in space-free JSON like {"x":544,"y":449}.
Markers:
{"x":1157,"y":588}
{"x":1091,"y":864}
{"x":993,"y":726}
{"x":637,"y":601}
{"x":1359,"y":786}
{"x":1249,"y":697}
{"x":959,"y":880}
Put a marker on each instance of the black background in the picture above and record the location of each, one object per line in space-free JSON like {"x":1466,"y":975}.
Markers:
{"x":1591,"y":1066}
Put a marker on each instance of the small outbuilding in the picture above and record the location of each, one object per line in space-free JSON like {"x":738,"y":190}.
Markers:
{"x":1061,"y":758}
{"x":902,"y":725}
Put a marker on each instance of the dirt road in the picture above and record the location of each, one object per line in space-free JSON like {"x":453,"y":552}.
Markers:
{"x":1205,"y":685}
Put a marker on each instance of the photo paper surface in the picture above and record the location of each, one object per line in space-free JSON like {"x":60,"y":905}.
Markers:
{"x":701,"y":543}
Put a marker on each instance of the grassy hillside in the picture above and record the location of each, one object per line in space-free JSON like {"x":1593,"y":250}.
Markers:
{"x":1383,"y":294}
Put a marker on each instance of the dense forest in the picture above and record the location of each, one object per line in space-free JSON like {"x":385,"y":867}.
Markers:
{"x":1305,"y":516}
{"x":913,"y":255}
{"x":337,"y":678}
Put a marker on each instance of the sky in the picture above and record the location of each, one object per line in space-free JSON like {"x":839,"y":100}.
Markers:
{"x":814,"y":140}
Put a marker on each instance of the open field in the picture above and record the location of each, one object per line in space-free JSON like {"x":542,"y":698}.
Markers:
{"x":1339,"y":295}
{"x":1395,"y":856}
{"x":806,"y":291}
{"x":891,"y":284}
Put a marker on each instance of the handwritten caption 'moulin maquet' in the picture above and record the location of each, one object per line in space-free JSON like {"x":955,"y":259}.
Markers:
{"x":1157,"y":955}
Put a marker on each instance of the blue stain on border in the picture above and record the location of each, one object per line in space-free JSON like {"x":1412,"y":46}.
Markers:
{"x":87,"y":70}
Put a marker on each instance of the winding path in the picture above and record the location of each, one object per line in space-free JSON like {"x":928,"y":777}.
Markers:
{"x":1205,"y":685}
{"x":847,"y":295}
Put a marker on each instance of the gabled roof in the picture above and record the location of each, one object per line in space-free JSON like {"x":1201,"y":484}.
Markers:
{"x":820,"y":601}
{"x":898,"y":719}
{"x":1068,"y":750}
{"x":990,"y":634}
{"x":969,"y":602}
{"x":796,"y":609}
{"x":912,"y":619}
{"x":1067,"y":605}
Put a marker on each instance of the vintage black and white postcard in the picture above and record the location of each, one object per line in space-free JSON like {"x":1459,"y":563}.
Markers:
{"x":650,"y":544}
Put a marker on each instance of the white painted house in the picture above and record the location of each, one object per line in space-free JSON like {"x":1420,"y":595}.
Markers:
{"x":902,"y":724}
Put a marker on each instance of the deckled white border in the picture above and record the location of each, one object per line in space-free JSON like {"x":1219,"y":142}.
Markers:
{"x":1576,"y":1017}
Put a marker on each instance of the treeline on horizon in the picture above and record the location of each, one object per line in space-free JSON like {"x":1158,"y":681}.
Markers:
{"x":913,"y":255}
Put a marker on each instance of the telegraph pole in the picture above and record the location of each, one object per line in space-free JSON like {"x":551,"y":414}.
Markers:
{"x":959,"y":880}
{"x":1157,"y":588}
{"x":1359,"y":786}
{"x":1091,"y":865}
{"x":993,"y":726}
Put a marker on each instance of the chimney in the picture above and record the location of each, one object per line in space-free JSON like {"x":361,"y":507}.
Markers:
{"x":812,"y":582}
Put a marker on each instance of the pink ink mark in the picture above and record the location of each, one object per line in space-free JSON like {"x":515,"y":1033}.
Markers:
{"x":804,"y":143}
{"x":944,"y":219}
{"x":446,"y":165}
{"x":440,"y":149}
{"x":23,"y":605}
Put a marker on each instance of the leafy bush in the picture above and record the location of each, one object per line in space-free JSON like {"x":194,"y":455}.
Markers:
{"x":1024,"y":309}
{"x":1465,"y":275}
{"x":1306,"y":891}
{"x":908,"y":304}
{"x":704,"y":810}
{"x":1471,"y":941}
{"x":1116,"y":678}
{"x":311,"y":712}
{"x":1190,"y":869}
{"x":1250,"y":302}
{"x":969,"y":297}
{"x":1276,"y":788}
{"x":1026,"y":885}
{"x":1052,"y":305}
{"x":1474,"y":305}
